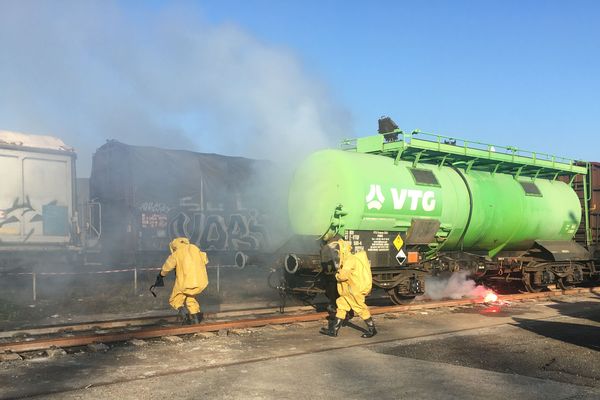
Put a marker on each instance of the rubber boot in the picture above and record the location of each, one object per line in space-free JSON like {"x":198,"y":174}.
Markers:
{"x":331,"y":310}
{"x":333,"y":327}
{"x":349,"y":316}
{"x":371,"y":331}
{"x":183,"y":316}
{"x":196,"y":318}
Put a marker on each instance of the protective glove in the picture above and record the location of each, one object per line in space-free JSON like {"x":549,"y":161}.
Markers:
{"x":159,"y":281}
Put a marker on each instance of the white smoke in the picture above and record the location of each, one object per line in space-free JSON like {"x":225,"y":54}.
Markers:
{"x":454,"y":286}
{"x":88,"y":71}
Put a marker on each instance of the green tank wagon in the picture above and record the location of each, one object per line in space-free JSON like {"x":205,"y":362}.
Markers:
{"x":419,"y":204}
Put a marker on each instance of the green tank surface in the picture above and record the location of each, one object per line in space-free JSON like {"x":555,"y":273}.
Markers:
{"x":476,"y":210}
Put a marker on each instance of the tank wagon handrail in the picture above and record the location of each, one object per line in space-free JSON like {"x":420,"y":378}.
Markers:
{"x":348,"y":144}
{"x":419,"y":146}
{"x":491,"y":148}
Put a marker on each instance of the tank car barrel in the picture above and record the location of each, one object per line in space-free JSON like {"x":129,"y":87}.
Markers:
{"x":243,"y":259}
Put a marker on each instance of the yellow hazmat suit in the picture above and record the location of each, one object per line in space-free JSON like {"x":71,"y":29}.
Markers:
{"x":354,"y":282}
{"x":190,"y":270}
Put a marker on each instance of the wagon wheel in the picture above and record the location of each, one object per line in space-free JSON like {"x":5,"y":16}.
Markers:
{"x":398,"y":298}
{"x":529,"y":287}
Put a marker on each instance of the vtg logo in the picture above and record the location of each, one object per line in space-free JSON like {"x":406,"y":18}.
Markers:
{"x":375,"y":198}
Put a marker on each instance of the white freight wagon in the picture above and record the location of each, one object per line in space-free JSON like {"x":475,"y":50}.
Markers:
{"x":38,"y":206}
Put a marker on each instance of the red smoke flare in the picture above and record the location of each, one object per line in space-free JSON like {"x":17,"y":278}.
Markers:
{"x":490,"y":297}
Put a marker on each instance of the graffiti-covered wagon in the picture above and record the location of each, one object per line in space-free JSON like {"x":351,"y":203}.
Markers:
{"x":149,"y":196}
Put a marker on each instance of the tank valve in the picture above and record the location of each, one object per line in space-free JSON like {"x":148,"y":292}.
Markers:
{"x":291,"y":263}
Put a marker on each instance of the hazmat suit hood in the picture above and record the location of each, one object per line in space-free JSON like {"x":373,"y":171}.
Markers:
{"x":339,"y":250}
{"x":178,"y":242}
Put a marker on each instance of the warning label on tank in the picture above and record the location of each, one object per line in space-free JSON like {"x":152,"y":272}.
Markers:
{"x":379,"y":245}
{"x":379,"y":242}
{"x":398,"y":242}
{"x":401,"y":257}
{"x":369,"y":241}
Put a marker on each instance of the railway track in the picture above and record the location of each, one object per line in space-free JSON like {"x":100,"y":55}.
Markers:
{"x":136,"y":322}
{"x":146,"y":328}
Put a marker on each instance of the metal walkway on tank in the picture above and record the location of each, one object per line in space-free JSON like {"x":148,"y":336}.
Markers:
{"x":419,"y":147}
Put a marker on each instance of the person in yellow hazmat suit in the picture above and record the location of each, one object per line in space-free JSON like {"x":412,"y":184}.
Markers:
{"x":354,"y":282}
{"x":190,"y":278}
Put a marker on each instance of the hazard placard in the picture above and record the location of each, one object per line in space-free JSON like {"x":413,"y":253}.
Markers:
{"x":384,"y":248}
{"x":401,"y":257}
{"x":398,"y":242}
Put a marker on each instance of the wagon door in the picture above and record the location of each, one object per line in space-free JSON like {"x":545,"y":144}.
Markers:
{"x":11,"y":190}
{"x":47,"y":192}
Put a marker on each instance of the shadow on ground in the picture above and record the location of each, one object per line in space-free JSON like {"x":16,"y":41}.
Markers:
{"x":563,"y":351}
{"x":587,"y":336}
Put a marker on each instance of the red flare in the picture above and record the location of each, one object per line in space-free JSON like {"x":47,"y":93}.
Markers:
{"x":490,"y":297}
{"x":492,"y":310}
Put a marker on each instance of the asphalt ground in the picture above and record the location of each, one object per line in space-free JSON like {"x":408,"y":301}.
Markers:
{"x":530,"y":350}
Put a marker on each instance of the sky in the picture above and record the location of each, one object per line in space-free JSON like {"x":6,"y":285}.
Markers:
{"x":279,"y":79}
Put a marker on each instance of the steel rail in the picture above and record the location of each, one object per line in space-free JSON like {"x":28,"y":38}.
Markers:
{"x":137,"y":322}
{"x":155,"y":332}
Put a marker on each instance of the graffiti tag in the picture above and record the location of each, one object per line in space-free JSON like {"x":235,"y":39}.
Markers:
{"x":153,"y":207}
{"x":212,"y":231}
{"x":12,"y":217}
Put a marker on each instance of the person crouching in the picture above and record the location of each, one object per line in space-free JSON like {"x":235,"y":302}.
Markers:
{"x":190,"y":278}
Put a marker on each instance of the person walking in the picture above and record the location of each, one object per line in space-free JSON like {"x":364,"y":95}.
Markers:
{"x":354,"y":283}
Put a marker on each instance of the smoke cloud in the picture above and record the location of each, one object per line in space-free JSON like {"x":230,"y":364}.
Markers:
{"x":88,"y":71}
{"x":455,"y":286}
